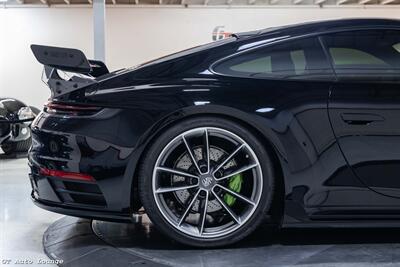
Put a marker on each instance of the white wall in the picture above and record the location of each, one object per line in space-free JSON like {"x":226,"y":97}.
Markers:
{"x":20,"y":73}
{"x":134,"y":35}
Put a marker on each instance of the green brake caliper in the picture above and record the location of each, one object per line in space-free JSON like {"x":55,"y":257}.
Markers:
{"x":235,"y":184}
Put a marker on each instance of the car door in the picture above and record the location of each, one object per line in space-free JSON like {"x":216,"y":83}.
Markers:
{"x":364,"y":106}
{"x":287,"y":84}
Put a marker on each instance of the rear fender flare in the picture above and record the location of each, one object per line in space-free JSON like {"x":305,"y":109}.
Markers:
{"x":266,"y":128}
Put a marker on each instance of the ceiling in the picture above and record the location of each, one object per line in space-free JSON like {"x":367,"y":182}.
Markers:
{"x":206,"y":3}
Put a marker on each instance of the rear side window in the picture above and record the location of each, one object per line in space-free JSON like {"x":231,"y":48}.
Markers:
{"x":298,"y":59}
{"x":365,"y":54}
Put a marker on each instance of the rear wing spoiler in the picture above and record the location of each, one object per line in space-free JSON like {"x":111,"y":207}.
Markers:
{"x":70,"y":60}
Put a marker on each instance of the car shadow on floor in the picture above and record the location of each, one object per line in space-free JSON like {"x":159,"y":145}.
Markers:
{"x":82,"y":241}
{"x":322,"y":236}
{"x":13,"y":155}
{"x":147,"y":236}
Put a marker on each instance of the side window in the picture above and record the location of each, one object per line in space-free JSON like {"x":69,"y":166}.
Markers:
{"x":298,"y":59}
{"x":365,"y":54}
{"x":343,"y":57}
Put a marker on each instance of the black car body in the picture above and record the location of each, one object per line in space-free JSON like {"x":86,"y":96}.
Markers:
{"x":321,"y":98}
{"x":15,"y":118}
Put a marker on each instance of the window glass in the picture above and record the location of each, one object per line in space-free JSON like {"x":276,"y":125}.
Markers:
{"x":365,"y":54}
{"x":299,"y":59}
{"x":262,"y":64}
{"x":397,"y":47}
{"x":349,"y":56}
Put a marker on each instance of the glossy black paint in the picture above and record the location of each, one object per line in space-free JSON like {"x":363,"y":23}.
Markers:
{"x":294,"y":118}
{"x":10,"y":124}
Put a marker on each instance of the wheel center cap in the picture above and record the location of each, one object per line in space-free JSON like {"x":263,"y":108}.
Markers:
{"x":207,"y":181}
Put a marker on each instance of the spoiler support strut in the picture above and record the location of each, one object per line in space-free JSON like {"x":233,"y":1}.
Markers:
{"x":70,"y":60}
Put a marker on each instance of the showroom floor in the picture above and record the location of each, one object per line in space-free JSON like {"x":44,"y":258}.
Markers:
{"x":22,"y":224}
{"x":84,"y":243}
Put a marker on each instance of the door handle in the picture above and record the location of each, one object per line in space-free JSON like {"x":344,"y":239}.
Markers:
{"x":361,"y":118}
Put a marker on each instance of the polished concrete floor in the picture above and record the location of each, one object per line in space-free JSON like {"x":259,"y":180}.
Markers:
{"x":22,"y":224}
{"x":94,"y":243}
{"x":265,"y":247}
{"x":81,"y":242}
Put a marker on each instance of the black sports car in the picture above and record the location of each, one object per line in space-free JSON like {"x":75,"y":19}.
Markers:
{"x":297,"y":124}
{"x":15,"y":118}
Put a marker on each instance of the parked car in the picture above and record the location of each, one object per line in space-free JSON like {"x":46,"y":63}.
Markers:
{"x":296,"y":124}
{"x":15,"y":118}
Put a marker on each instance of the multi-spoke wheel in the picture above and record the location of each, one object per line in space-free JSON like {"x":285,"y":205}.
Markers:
{"x":207,"y":180}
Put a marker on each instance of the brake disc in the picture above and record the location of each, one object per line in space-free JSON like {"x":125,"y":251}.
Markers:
{"x":184,"y":163}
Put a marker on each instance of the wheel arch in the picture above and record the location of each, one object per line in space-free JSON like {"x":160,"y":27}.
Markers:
{"x":257,"y":125}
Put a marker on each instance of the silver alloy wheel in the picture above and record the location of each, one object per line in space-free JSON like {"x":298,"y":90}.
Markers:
{"x":192,"y":178}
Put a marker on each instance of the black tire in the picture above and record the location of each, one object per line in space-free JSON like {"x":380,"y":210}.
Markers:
{"x":13,"y":147}
{"x":146,"y":188}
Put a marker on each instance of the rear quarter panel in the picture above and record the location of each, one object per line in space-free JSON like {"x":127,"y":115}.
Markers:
{"x":290,"y":115}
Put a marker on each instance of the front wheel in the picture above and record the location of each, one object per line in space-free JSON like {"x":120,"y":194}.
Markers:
{"x":206,"y":182}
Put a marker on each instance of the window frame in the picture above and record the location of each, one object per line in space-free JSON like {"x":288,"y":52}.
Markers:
{"x":318,"y":35}
{"x":339,"y":77}
{"x":330,"y":77}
